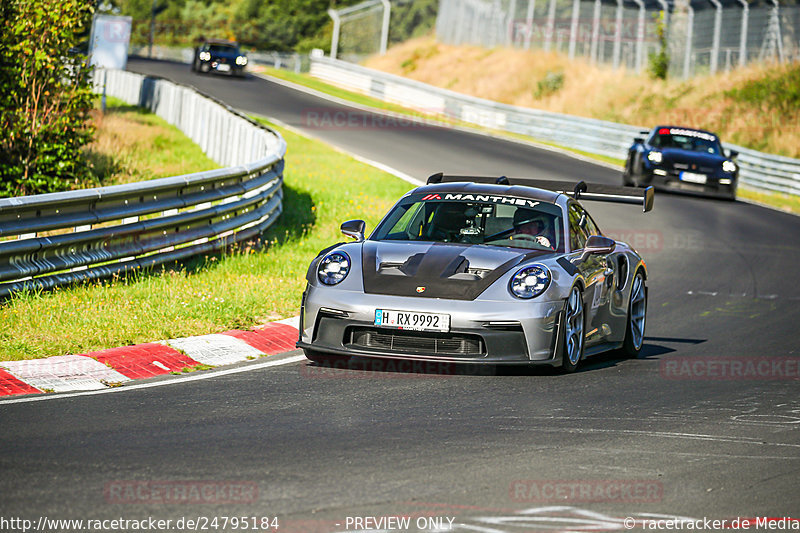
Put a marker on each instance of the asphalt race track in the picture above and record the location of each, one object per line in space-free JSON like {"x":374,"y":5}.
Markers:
{"x":495,"y":452}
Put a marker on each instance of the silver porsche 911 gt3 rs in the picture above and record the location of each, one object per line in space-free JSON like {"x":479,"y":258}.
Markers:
{"x":480,"y":270}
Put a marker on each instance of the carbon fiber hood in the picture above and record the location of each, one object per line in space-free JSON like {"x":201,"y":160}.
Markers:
{"x":436,"y":270}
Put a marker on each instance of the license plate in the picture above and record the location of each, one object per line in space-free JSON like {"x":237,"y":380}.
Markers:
{"x":222,"y":67}
{"x":691,"y":177}
{"x":388,"y":318}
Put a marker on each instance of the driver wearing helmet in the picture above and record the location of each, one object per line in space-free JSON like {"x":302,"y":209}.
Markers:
{"x":530,"y":225}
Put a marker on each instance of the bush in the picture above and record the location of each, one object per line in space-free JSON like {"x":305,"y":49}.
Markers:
{"x":550,"y":84}
{"x":778,"y":91}
{"x":658,"y":66}
{"x":45,"y":96}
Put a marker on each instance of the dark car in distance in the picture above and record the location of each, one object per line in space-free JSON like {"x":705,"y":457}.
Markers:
{"x":216,"y":55}
{"x":685,"y":159}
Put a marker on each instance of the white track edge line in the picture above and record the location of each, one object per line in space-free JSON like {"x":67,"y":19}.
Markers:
{"x":173,"y":381}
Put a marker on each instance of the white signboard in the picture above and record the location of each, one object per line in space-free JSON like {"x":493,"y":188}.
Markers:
{"x":108,"y":46}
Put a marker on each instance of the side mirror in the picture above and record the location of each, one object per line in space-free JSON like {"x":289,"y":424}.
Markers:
{"x":597,"y":244}
{"x":638,"y":140}
{"x":354,"y":229}
{"x":732,"y":153}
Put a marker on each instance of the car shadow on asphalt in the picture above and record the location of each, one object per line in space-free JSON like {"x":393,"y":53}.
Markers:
{"x":651,"y":350}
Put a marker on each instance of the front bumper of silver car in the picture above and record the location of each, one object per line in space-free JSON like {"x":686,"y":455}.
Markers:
{"x":509,"y":332}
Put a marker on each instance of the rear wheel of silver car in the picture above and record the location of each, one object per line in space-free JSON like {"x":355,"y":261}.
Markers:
{"x":573,"y":331}
{"x":637,"y":316}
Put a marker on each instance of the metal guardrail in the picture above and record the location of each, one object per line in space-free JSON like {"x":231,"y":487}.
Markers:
{"x":757,"y":169}
{"x":55,"y":239}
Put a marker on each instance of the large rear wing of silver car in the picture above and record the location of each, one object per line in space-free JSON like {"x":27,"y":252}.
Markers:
{"x":580,"y":190}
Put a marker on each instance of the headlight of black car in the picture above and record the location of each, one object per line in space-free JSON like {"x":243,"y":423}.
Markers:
{"x":729,"y":167}
{"x":530,"y":282}
{"x":333,"y":268}
{"x":655,"y":157}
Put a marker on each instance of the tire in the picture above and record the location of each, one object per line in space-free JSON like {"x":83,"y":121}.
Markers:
{"x":637,"y":317}
{"x":627,"y":180}
{"x":574,"y":339}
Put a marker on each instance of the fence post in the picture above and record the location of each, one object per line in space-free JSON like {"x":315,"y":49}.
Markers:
{"x":387,"y":13}
{"x":337,"y":22}
{"x":640,"y":36}
{"x":687,"y":58}
{"x":529,"y":23}
{"x":573,"y":27}
{"x":715,"y":43}
{"x":743,"y":34}
{"x":512,"y":12}
{"x":618,"y":35}
{"x":460,"y":23}
{"x":551,"y":26}
{"x":595,"y":31}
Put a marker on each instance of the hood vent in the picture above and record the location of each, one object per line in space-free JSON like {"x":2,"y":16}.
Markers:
{"x":440,"y":271}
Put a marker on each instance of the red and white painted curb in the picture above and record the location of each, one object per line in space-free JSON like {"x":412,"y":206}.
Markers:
{"x":113,"y":367}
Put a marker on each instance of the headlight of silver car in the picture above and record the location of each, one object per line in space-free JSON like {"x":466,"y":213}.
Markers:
{"x":530,"y":282}
{"x":728,"y":166}
{"x":333,"y":268}
{"x":655,"y":157}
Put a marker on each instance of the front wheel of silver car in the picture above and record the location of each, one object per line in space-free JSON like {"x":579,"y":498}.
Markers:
{"x":573,"y":331}
{"x":637,"y":316}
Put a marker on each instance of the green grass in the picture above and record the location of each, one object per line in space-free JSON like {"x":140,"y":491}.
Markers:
{"x":313,"y":83}
{"x":784,"y":202}
{"x":322,"y":189}
{"x":133,"y":145}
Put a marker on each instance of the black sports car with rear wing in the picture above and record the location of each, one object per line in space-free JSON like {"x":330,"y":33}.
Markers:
{"x":684,"y":159}
{"x":480,"y":270}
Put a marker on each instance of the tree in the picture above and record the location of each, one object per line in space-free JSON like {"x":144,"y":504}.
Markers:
{"x":659,"y":61}
{"x":45,"y":96}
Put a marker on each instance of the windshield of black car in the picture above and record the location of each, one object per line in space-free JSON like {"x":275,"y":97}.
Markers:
{"x":705,"y":144}
{"x":223,"y":48}
{"x":518,"y":223}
